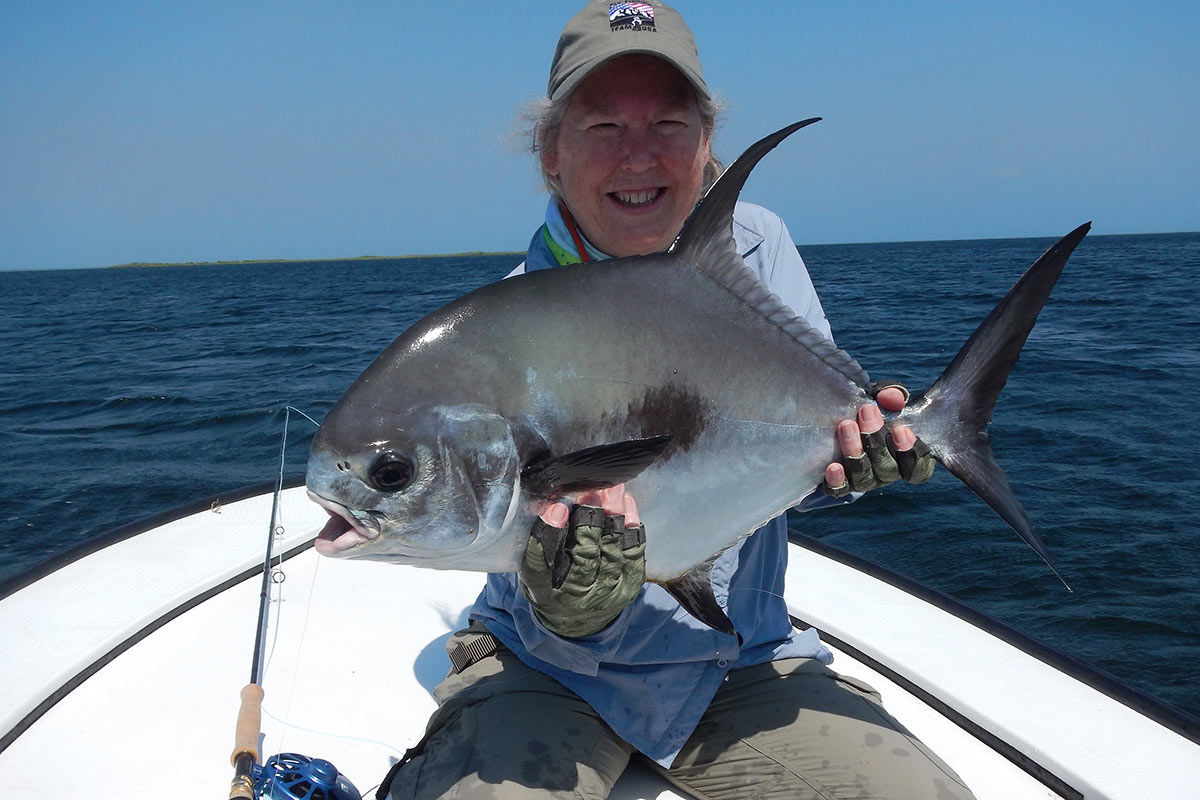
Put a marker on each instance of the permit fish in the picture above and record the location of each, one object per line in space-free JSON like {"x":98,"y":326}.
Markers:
{"x":678,"y":373}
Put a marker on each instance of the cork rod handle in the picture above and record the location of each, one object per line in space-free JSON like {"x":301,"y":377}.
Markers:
{"x":245,"y":742}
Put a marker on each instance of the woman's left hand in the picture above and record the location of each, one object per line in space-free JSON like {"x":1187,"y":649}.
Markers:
{"x":869,"y":459}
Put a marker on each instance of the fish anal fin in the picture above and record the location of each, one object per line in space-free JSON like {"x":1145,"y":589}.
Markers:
{"x":694,"y":592}
{"x":593,"y":468}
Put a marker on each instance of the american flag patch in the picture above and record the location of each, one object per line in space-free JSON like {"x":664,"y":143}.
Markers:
{"x":631,"y":16}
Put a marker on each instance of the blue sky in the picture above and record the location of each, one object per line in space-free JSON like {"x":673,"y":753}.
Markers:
{"x":224,"y":131}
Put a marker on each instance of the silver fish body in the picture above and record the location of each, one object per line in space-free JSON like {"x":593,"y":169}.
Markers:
{"x":561,"y":360}
{"x":445,"y":449}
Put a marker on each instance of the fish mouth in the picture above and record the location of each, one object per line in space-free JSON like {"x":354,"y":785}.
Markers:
{"x":637,"y":198}
{"x":342,"y":531}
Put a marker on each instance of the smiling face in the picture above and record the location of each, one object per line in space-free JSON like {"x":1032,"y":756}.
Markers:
{"x":630,"y":155}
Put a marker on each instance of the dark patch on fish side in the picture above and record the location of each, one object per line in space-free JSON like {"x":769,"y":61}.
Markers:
{"x":671,"y":409}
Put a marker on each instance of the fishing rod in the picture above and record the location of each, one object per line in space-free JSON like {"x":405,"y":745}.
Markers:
{"x":286,"y":776}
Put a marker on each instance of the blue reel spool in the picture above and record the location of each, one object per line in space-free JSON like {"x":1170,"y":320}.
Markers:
{"x":291,"y":776}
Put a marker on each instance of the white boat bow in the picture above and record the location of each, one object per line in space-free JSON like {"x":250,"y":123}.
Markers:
{"x":123,"y":662}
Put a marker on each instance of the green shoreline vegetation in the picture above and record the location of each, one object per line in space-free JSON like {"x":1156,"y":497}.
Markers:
{"x":470,"y":254}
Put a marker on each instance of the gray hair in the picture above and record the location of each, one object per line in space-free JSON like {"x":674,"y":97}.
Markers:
{"x":543,"y":119}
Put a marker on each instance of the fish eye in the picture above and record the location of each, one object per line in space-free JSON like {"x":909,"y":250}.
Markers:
{"x":392,"y":472}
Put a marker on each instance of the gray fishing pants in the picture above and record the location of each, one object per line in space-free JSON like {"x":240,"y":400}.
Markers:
{"x":790,"y":729}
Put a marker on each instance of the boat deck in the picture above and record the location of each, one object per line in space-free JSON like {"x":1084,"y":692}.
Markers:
{"x":125,"y":665}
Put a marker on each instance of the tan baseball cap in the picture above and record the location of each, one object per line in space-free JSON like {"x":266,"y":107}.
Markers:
{"x":603,"y":30}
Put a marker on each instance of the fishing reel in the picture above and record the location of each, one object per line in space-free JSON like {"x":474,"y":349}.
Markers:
{"x":291,"y":776}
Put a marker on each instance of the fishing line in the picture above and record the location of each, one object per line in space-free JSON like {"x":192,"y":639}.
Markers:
{"x":278,"y":576}
{"x":286,"y":722}
{"x":758,"y":590}
{"x":330,"y":735}
{"x":287,"y":706}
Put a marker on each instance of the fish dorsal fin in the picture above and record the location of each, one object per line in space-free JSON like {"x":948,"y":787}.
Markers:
{"x":706,"y":240}
{"x":706,"y":243}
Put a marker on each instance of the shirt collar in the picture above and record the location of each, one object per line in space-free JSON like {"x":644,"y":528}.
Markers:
{"x":561,"y":241}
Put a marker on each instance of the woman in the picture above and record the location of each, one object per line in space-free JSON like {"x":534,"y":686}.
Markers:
{"x":560,"y":678}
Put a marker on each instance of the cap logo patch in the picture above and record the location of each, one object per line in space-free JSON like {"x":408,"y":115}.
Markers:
{"x":631,"y":17}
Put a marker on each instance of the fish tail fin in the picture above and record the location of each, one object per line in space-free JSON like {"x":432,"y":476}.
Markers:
{"x":952,"y":415}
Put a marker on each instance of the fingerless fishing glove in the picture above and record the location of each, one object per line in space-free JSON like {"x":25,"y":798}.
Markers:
{"x":881,"y":462}
{"x":579,"y":578}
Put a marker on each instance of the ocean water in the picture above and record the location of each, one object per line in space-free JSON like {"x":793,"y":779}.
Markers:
{"x":125,"y":392}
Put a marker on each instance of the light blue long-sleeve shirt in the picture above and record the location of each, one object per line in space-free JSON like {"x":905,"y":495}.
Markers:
{"x":652,"y":672}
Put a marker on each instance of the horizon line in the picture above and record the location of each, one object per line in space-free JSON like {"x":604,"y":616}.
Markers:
{"x":485,"y":253}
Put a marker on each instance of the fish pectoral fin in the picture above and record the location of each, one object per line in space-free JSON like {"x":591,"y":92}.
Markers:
{"x":593,"y":468}
{"x":694,"y":592}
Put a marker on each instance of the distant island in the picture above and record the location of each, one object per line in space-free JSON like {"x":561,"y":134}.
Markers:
{"x":469,"y":254}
